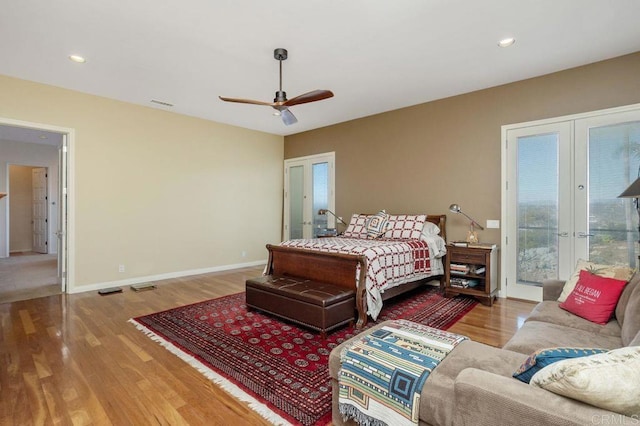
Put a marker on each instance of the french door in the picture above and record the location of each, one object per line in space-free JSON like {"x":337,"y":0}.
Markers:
{"x":308,"y":188}
{"x":561,"y":202}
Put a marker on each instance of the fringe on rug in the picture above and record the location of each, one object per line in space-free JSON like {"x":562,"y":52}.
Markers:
{"x":216,"y":378}
{"x":349,"y":412}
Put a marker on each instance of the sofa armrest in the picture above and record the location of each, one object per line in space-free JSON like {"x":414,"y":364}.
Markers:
{"x":551,"y":289}
{"x":484,"y":398}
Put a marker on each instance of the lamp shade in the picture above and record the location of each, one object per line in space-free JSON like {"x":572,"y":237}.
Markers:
{"x":633,"y":191}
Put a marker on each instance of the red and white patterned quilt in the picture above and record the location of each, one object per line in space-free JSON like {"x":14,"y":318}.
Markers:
{"x":389,"y":262}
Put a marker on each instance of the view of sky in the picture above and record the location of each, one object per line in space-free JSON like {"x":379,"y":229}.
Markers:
{"x":609,"y":172}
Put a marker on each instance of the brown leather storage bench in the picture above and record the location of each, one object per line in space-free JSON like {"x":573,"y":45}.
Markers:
{"x":317,"y":305}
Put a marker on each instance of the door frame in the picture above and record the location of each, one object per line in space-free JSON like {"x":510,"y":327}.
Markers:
{"x":505,"y":167}
{"x":66,"y":199}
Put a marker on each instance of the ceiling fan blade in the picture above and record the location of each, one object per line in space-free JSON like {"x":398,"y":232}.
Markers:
{"x":287,"y":117}
{"x":316,"y":95}
{"x":246,"y":101}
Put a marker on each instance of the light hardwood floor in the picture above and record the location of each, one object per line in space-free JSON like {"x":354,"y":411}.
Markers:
{"x":74,"y":359}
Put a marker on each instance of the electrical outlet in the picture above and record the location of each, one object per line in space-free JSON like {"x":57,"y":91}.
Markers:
{"x":493,"y":224}
{"x":243,"y":254}
{"x":120,"y":268}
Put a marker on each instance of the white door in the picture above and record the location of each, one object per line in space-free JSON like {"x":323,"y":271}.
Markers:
{"x":608,"y":156}
{"x":538,"y":216}
{"x":62,"y":214}
{"x":308,"y":188}
{"x":561,"y":197}
{"x":40,"y":209}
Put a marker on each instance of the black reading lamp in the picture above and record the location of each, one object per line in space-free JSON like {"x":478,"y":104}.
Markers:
{"x":472,"y":236}
{"x":322,"y":212}
{"x":633,"y":191}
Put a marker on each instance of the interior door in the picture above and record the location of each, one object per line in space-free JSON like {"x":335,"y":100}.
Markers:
{"x":309,"y":188}
{"x":40,"y":209}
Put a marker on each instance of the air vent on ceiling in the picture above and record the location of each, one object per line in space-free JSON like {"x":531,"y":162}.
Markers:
{"x":155,"y":101}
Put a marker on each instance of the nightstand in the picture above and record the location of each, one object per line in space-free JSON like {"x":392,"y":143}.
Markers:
{"x":472,"y":271}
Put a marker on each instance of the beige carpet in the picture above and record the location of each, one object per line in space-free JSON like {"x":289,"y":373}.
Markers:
{"x":27,"y":276}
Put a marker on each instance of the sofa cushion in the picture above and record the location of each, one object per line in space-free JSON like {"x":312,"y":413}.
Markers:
{"x":636,"y":340}
{"x":608,"y":380}
{"x":437,"y":396}
{"x":534,"y":335}
{"x":549,"y":311}
{"x":631,"y":324}
{"x":594,"y":297}
{"x":543,"y":357}
{"x":609,"y":271}
{"x":621,"y":307}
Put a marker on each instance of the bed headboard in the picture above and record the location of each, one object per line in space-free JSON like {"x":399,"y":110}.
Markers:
{"x":441,"y":221}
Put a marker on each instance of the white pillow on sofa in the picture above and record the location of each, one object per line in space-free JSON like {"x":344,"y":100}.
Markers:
{"x":609,"y":380}
{"x":622,"y":273}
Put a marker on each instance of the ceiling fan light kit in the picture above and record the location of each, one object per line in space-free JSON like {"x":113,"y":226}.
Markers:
{"x":280,"y":103}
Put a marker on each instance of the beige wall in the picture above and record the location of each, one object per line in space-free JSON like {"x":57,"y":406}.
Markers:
{"x":156,"y":191}
{"x":426,"y":157}
{"x":20,"y":211}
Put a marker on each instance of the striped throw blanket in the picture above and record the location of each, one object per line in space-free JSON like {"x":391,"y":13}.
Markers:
{"x":383,"y":372}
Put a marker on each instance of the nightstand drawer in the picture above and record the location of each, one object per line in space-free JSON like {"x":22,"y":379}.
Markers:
{"x":478,"y":258}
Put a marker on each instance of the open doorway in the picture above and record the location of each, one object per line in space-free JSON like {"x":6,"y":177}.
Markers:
{"x":33,"y":212}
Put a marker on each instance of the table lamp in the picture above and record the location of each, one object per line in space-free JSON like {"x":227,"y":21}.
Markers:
{"x":472,"y":235}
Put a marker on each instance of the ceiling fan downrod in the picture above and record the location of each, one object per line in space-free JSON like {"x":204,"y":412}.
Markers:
{"x":280,"y":55}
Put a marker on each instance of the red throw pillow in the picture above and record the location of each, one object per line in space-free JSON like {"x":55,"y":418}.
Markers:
{"x":594,"y":297}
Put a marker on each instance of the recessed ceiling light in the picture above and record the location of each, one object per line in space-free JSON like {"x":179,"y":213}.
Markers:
{"x":77,"y":58}
{"x":276,"y":113}
{"x":506,"y":42}
{"x":43,"y":136}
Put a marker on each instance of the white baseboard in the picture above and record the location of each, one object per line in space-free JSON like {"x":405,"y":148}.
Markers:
{"x":169,"y":275}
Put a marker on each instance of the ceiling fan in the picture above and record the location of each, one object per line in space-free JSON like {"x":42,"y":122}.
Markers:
{"x":281,"y":103}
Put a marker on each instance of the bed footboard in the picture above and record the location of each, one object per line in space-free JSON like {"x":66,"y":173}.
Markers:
{"x":333,"y":268}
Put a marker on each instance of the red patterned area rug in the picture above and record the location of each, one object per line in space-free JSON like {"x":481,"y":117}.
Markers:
{"x":281,"y":370}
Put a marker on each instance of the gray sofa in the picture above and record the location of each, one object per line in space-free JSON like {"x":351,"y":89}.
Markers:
{"x":473,"y":385}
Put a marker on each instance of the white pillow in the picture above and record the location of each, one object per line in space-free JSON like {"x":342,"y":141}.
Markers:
{"x":430,"y":228}
{"x":377,"y":224}
{"x":405,"y":226}
{"x":357,"y":227}
{"x":610,"y":380}
{"x":622,"y":273}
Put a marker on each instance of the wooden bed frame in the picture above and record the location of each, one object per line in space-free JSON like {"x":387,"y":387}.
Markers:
{"x":340,"y":269}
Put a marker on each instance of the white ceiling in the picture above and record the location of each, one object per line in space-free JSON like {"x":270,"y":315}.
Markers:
{"x":21,"y":134}
{"x":375,"y":55}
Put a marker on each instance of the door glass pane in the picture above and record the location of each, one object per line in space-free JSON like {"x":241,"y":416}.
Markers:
{"x":537,"y":208}
{"x":296,"y":201}
{"x":320,"y":191}
{"x":614,"y":157}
